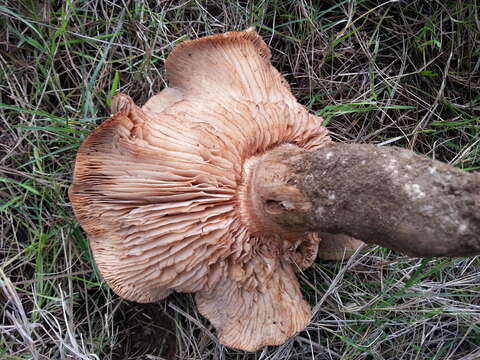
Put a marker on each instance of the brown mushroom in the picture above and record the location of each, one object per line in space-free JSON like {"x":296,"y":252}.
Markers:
{"x":214,"y":187}
{"x":165,"y":194}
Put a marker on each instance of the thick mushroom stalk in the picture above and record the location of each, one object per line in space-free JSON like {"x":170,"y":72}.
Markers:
{"x":383,"y":195}
{"x":219,"y":184}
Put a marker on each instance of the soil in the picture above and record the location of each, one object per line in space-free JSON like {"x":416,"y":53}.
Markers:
{"x":143,"y":329}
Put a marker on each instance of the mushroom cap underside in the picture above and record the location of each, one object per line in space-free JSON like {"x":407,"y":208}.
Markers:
{"x":157,"y":188}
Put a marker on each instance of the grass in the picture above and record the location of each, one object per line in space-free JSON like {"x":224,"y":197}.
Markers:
{"x":402,"y":73}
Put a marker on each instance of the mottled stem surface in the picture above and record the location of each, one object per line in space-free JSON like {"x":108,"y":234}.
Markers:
{"x":381,"y":195}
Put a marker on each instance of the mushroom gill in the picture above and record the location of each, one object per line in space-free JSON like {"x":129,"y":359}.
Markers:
{"x":164,"y":191}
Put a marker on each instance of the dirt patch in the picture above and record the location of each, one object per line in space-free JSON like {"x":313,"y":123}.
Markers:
{"x":143,"y":329}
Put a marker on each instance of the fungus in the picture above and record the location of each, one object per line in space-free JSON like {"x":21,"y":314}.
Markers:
{"x":219,"y":185}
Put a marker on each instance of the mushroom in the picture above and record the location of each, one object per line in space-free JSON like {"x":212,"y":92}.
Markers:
{"x":215,"y":186}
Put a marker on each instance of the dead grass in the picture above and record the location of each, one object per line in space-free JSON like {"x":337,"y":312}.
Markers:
{"x":402,"y":73}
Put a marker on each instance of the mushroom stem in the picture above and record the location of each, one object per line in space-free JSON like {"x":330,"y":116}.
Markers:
{"x":382,"y":195}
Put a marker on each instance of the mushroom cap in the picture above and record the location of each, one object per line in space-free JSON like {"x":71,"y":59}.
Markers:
{"x":163,"y":191}
{"x":338,"y":246}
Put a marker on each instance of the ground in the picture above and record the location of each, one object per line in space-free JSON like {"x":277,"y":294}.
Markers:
{"x":402,"y":73}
